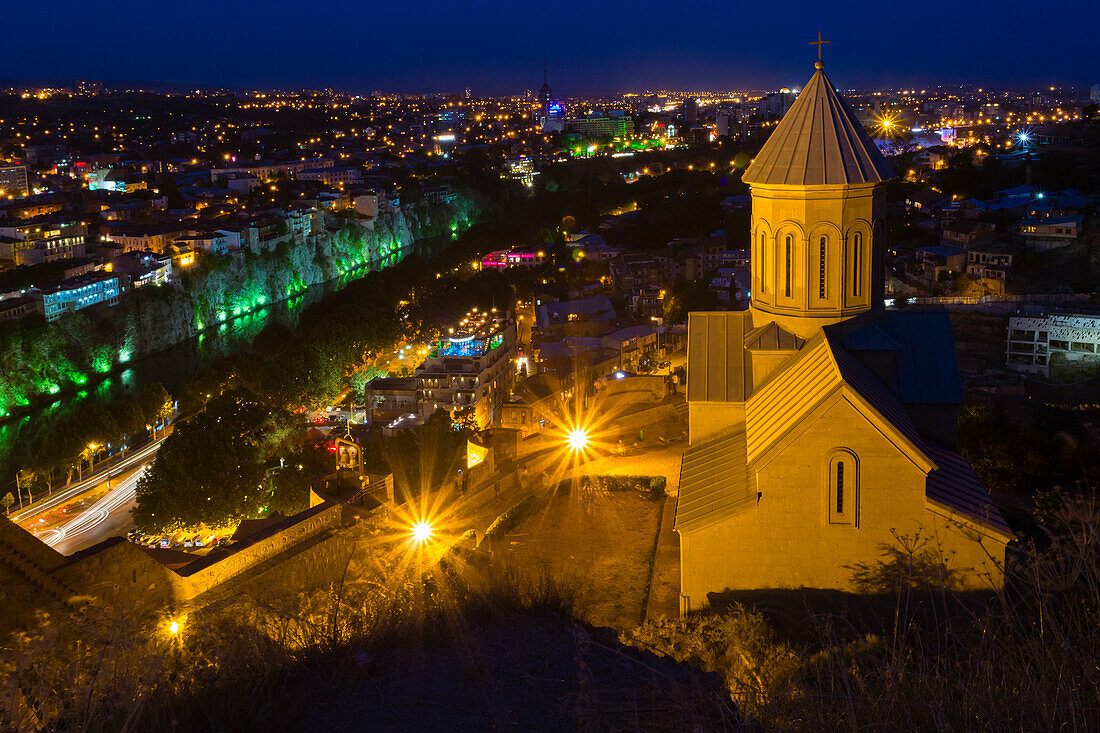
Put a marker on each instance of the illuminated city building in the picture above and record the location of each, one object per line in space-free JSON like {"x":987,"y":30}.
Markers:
{"x":505,"y":258}
{"x":78,"y":293}
{"x":118,"y":180}
{"x":612,"y":126}
{"x":13,"y":180}
{"x":822,"y":427}
{"x":34,"y":241}
{"x":470,"y":370}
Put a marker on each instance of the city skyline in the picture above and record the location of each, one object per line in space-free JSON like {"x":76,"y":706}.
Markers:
{"x":439,"y":48}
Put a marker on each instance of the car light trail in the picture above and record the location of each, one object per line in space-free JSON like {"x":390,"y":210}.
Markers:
{"x":64,"y":496}
{"x":96,"y":514}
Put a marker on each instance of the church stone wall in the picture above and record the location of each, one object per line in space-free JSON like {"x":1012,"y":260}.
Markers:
{"x":977,"y":556}
{"x":787,"y":541}
{"x":707,"y":419}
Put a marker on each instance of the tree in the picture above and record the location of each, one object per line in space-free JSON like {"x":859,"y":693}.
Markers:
{"x":156,"y":405}
{"x":685,"y":297}
{"x":209,"y":471}
{"x":129,"y":417}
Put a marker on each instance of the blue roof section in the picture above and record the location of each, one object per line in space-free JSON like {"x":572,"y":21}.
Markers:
{"x":870,"y":338}
{"x":1015,"y":191}
{"x":954,"y":485}
{"x":863,"y":381}
{"x":943,"y":250}
{"x":927,"y":372}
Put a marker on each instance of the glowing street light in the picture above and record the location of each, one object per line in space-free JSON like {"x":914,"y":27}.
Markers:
{"x":577,"y":438}
{"x":421,"y":532}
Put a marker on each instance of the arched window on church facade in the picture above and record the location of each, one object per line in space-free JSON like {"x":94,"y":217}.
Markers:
{"x":787,"y":264}
{"x":857,"y":264}
{"x":821,"y":289}
{"x":843,"y":487}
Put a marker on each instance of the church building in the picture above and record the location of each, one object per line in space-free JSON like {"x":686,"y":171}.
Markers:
{"x":822,"y":427}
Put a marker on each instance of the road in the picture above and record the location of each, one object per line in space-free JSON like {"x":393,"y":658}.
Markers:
{"x":108,"y":516}
{"x":66,"y":520}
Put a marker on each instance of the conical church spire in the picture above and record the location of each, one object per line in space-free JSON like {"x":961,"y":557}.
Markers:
{"x":819,"y":142}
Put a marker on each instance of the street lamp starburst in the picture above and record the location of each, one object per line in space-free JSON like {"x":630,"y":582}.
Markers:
{"x":421,"y":532}
{"x":888,"y":126}
{"x":577,"y":438}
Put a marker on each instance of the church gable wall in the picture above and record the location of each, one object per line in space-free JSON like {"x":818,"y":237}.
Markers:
{"x":975,"y":558}
{"x":787,"y":540}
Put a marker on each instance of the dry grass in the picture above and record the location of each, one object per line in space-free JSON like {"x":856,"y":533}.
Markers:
{"x":599,"y":544}
{"x":1025,"y":659}
{"x":458,"y":646}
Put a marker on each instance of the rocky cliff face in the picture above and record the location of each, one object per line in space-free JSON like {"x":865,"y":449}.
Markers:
{"x":42,"y":359}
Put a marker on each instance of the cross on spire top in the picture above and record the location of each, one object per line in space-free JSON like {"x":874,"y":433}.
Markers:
{"x":819,"y":43}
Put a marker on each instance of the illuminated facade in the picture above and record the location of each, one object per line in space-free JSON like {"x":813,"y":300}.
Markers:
{"x":597,"y":127}
{"x":821,"y":426}
{"x":13,"y":180}
{"x":33,"y":242}
{"x":77,"y":293}
{"x":470,"y":371}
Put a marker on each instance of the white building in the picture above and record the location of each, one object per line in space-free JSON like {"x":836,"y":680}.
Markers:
{"x":333,"y":176}
{"x":77,"y":293}
{"x":1036,"y":342}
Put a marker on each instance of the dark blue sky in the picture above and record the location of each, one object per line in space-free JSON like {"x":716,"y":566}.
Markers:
{"x":495,"y":47}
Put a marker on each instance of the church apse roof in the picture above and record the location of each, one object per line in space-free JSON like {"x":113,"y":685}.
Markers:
{"x":715,"y":481}
{"x":818,"y":142}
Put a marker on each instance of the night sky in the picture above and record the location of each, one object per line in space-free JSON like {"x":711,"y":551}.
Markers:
{"x":495,"y":47}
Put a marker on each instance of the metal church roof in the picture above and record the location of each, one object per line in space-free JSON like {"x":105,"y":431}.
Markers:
{"x":818,"y":142}
{"x":954,"y":485}
{"x":715,"y":481}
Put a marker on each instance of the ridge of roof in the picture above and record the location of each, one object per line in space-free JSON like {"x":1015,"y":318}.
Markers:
{"x":773,"y":337}
{"x":818,"y":142}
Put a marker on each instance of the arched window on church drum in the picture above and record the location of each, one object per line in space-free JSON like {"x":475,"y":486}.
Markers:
{"x":787,"y":264}
{"x":857,"y":264}
{"x":763,"y":263}
{"x":821,"y":290}
{"x":843,"y":487}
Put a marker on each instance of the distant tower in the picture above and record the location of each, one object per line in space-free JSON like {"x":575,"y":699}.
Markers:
{"x":691,"y":112}
{"x":544,"y":96}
